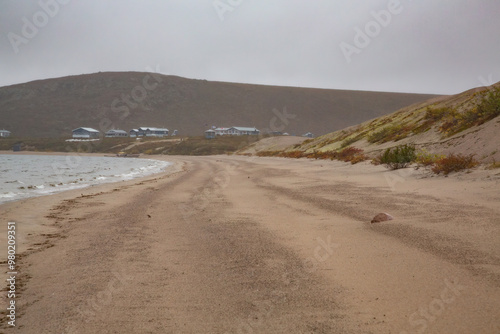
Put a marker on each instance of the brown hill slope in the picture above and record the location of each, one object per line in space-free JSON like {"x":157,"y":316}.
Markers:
{"x":466,"y":123}
{"x":125,"y":100}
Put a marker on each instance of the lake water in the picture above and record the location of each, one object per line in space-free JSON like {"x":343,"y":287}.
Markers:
{"x":23,"y":176}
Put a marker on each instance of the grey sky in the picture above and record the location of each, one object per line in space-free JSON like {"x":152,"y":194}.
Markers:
{"x":427,"y":46}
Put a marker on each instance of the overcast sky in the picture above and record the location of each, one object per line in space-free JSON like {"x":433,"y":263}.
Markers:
{"x":426,"y":46}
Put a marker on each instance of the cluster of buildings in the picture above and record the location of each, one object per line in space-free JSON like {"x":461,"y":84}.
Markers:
{"x":241,"y":131}
{"x":90,"y":133}
{"x":232,"y":131}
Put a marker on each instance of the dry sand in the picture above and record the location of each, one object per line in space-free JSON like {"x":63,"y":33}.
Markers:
{"x":262,"y":245}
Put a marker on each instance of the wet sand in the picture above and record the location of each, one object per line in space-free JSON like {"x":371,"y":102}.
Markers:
{"x":261,"y":245}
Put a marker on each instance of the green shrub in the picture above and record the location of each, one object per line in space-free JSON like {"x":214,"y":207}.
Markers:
{"x":454,"y":163}
{"x":398,"y":157}
{"x":489,"y":107}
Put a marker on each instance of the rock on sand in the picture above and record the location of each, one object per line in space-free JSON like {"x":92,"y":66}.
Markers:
{"x":382,"y":217}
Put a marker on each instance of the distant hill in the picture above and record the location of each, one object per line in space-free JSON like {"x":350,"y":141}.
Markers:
{"x":466,"y":123}
{"x":126,"y":100}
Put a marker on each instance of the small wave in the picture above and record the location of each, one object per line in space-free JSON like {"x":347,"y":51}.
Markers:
{"x":8,"y":195}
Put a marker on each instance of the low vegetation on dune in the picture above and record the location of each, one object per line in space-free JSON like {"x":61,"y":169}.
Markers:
{"x":433,"y":124}
{"x":426,"y":159}
{"x":454,"y":163}
{"x":403,"y":156}
{"x":446,"y":118}
{"x":488,"y":108}
{"x":348,"y":154}
{"x":397,"y":157}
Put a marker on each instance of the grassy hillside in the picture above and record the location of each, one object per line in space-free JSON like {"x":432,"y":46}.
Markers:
{"x":125,"y":100}
{"x":178,"y":146}
{"x":467,"y":124}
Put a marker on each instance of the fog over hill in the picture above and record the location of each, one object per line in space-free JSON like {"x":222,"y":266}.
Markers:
{"x":125,"y":100}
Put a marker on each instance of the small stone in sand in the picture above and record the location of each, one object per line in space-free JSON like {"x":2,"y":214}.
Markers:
{"x":382,"y":217}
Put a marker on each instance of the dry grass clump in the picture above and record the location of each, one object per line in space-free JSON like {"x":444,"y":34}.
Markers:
{"x":454,"y":163}
{"x":281,"y":154}
{"x":268,"y":153}
{"x":321,"y":155}
{"x":494,"y":165}
{"x":293,"y":154}
{"x":426,"y":159}
{"x":352,"y":155}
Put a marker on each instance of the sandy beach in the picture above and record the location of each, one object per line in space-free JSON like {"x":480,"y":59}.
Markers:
{"x":234,"y":244}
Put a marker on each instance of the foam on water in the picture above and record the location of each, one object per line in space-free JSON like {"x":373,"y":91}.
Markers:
{"x":24,"y":176}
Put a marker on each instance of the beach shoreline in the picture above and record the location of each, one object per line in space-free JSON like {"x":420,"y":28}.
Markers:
{"x":33,"y":175}
{"x":297,"y":227}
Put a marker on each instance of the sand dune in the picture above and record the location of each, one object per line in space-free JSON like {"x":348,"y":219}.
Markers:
{"x":232,"y":244}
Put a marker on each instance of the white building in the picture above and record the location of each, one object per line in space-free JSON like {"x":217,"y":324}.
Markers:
{"x":308,"y":135}
{"x":221,"y":131}
{"x":236,"y":131}
{"x":149,"y":132}
{"x":116,"y":133}
{"x":4,"y":133}
{"x":210,"y":134}
{"x":86,"y":133}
